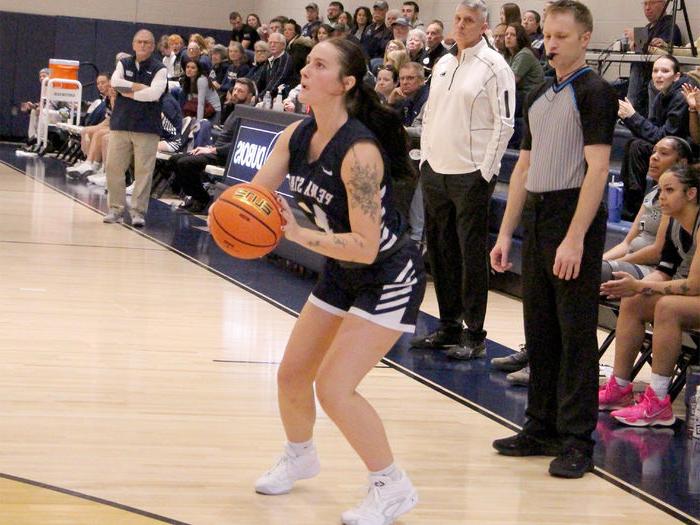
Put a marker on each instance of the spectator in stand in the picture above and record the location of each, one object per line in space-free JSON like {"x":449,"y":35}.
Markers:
{"x":171,"y":139}
{"x":241,"y":32}
{"x":387,"y":81}
{"x":253,"y":21}
{"x":279,"y":70}
{"x":333,"y":12}
{"x":409,"y":10}
{"x":658,"y":34}
{"x":400,"y":28}
{"x":201,"y":41}
{"x":531,"y":23}
{"x":238,"y":67}
{"x":210,"y":42}
{"x":415,"y":45}
{"x":668,"y":297}
{"x":510,"y":13}
{"x":34,"y":114}
{"x":178,"y":50}
{"x":135,"y":127}
{"x":291,"y":31}
{"x":377,"y":34}
{"x":408,"y":99}
{"x":189,"y":167}
{"x":194,"y":52}
{"x":471,"y":95}
{"x":324,"y":32}
{"x":220,"y":65}
{"x":669,"y":116}
{"x":434,"y":50}
{"x":641,"y":249}
{"x":692,"y":98}
{"x":343,"y":31}
{"x":262,"y":54}
{"x":397,"y":59}
{"x":345,"y":18}
{"x":394,"y":45}
{"x":391,"y":16}
{"x":298,"y":48}
{"x":526,"y":68}
{"x":199,"y":98}
{"x":239,"y":94}
{"x":276,"y":25}
{"x":361,"y":21}
{"x":169,"y":57}
{"x":313,"y":20}
{"x":499,"y":38}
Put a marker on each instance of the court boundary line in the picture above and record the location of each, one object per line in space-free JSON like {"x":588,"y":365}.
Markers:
{"x":610,"y":478}
{"x":93,"y":499}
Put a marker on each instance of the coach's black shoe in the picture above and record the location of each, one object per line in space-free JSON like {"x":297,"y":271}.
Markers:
{"x":511,"y":363}
{"x":440,"y":338}
{"x":523,"y":444}
{"x":470,"y":346}
{"x":572,"y":463}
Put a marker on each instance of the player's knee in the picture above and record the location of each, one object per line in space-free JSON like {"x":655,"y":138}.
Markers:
{"x":291,"y":378}
{"x":329,"y":395}
{"x":665,"y":311}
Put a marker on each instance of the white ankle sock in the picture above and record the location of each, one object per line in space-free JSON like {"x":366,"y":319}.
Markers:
{"x":392,"y":472}
{"x":660,"y":384}
{"x":301,"y":449}
{"x":622,"y":383}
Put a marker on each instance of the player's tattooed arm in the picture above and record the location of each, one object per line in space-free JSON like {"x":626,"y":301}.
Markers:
{"x":364,"y":186}
{"x":679,"y":287}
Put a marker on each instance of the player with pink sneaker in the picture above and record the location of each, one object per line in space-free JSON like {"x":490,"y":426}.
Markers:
{"x":669,"y":297}
{"x":612,"y":395}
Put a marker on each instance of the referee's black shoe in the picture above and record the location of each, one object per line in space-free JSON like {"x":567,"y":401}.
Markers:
{"x":471,"y":346}
{"x":572,"y":463}
{"x":444,"y":337}
{"x":524,"y":444}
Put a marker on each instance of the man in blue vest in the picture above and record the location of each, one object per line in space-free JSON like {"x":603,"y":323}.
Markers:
{"x":135,"y":128}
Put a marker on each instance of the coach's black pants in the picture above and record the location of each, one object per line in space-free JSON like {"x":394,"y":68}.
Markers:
{"x":189,"y":172}
{"x":457,"y":228}
{"x":561,"y":318}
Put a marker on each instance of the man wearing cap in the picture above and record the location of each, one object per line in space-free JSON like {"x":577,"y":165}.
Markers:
{"x":312,"y":20}
{"x":135,"y":127}
{"x":400,"y":29}
{"x":378,"y":34}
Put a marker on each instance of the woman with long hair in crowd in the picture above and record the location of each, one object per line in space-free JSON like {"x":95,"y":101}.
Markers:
{"x":198,"y":97}
{"x":344,"y":164}
{"x":361,"y":20}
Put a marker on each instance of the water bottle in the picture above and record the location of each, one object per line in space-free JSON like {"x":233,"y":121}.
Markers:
{"x":267,"y":100}
{"x":624,"y":44}
{"x":615,"y":190}
{"x":278,"y":105}
{"x":691,"y":400}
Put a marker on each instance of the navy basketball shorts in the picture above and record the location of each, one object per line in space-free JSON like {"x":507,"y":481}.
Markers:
{"x":388,"y":292}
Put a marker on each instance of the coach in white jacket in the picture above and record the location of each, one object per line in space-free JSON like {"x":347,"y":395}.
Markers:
{"x":467,"y":124}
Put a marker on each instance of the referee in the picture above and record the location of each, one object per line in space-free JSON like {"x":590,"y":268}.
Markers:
{"x":557,"y":185}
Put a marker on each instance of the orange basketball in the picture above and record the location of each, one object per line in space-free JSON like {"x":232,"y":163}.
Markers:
{"x":245,"y":221}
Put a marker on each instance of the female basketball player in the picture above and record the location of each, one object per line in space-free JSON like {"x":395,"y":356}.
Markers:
{"x":669,"y":297}
{"x":341,"y":166}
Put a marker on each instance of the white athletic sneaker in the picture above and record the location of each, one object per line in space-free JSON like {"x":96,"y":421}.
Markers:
{"x":81,"y":168}
{"x":130,"y":188}
{"x":99,"y":178}
{"x":386,"y":500}
{"x":115,"y":216}
{"x":288,"y":469}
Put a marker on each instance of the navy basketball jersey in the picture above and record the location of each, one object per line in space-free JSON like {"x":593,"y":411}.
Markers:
{"x":319,"y":190}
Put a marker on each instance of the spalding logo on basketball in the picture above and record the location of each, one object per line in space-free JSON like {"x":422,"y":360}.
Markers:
{"x":245,"y":221}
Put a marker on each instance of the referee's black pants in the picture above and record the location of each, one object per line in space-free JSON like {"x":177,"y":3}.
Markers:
{"x":561,"y":319}
{"x":457,"y":229}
